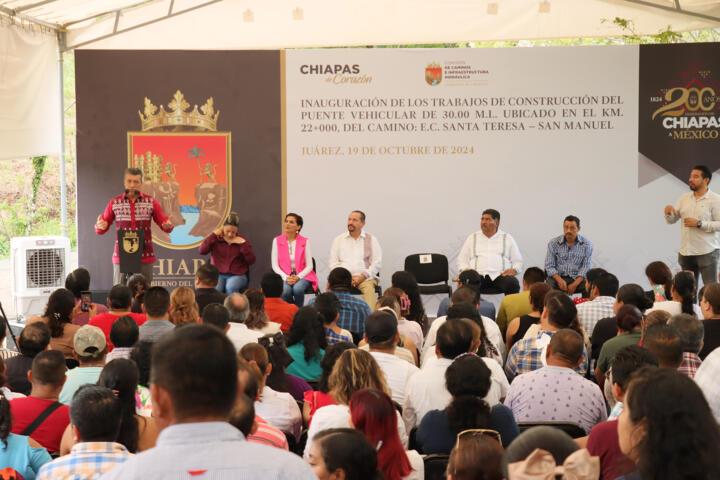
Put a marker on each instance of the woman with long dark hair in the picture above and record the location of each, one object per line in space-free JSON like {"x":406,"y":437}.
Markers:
{"x":137,"y":433}
{"x":667,"y":428}
{"x":306,"y":344}
{"x":406,"y":282}
{"x":138,"y":285}
{"x":22,"y":454}
{"x":231,"y":254}
{"x":59,"y":312}
{"x":373,"y":413}
{"x":468,"y":381}
{"x":682,"y":296}
{"x":661,"y":279}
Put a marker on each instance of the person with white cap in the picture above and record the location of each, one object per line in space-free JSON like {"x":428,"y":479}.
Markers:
{"x":90,"y":349}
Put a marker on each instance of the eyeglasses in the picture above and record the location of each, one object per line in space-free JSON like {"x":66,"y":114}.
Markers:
{"x":480,"y":431}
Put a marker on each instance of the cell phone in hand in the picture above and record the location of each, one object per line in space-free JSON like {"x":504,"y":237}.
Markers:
{"x":86,"y":300}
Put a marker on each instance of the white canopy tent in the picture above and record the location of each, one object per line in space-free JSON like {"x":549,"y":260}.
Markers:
{"x":32,"y":32}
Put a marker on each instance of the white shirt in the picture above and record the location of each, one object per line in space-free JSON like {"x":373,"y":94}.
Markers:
{"x":707,"y":379}
{"x":490,"y":256}
{"x":291,"y":251}
{"x":426,"y":389}
{"x":673,"y":308}
{"x":349,"y":253}
{"x":693,"y":240}
{"x":417,"y":464}
{"x":280,"y":410}
{"x":491,"y":330}
{"x":397,"y":373}
{"x":338,"y":416}
{"x":240,"y":335}
{"x":412,"y":330}
{"x":270,"y":329}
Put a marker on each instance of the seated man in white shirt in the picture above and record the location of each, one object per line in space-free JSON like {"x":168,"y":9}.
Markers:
{"x":382,"y":336}
{"x":239,"y":334}
{"x":493,"y":254}
{"x":360,"y":253}
{"x":426,"y":389}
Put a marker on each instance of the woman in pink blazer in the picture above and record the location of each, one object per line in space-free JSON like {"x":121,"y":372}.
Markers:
{"x":292,"y":260}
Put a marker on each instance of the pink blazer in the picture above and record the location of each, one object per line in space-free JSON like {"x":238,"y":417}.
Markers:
{"x":284,"y":257}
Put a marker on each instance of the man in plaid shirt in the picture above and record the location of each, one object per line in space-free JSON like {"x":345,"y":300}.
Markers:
{"x":96,"y":414}
{"x":568,"y":258}
{"x":353,"y":310}
{"x":601,"y":304}
{"x":691,"y":332}
{"x":529,"y":354}
{"x":133,"y":210}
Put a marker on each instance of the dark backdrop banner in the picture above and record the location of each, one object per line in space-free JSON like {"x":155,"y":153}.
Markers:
{"x":142,"y":108}
{"x":679,"y":109}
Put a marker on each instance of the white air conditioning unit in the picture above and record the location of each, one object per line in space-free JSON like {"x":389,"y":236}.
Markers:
{"x":39,"y":266}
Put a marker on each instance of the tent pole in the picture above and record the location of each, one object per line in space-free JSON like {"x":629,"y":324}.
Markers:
{"x":63,"y":179}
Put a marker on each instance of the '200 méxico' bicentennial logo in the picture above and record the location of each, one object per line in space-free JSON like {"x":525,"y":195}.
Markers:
{"x":679,"y":111}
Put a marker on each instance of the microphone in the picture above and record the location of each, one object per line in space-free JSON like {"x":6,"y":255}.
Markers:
{"x":130,"y":191}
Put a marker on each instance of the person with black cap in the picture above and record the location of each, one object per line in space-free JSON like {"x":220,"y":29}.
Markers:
{"x":382,"y":335}
{"x":472,"y":279}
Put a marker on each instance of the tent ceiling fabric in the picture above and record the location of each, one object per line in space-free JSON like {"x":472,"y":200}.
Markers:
{"x":241,"y":24}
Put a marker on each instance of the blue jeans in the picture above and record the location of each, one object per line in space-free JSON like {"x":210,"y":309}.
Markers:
{"x":229,"y":283}
{"x":295,"y":293}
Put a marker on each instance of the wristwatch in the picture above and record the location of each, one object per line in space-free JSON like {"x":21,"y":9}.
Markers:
{"x":699,"y":223}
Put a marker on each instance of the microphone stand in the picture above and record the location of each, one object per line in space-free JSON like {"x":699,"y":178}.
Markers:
{"x":8,"y":327}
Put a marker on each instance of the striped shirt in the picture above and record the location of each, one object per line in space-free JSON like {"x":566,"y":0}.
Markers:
{"x":86,"y":461}
{"x":566,"y":261}
{"x":690,"y":364}
{"x":266,"y":434}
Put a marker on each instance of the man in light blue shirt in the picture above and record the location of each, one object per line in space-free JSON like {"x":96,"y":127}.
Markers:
{"x":568,"y":258}
{"x":90,"y":349}
{"x":194,"y":387}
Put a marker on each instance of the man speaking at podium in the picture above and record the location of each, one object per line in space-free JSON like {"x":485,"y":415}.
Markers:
{"x":133,"y":212}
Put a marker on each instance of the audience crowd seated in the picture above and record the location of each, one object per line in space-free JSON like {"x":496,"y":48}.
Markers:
{"x":363,"y":392}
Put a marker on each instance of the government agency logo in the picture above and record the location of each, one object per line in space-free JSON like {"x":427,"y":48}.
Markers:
{"x":433,"y":74}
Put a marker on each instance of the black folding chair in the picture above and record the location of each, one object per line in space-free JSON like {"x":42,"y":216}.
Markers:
{"x":572,"y":429}
{"x":435,"y":466}
{"x":430,"y":271}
